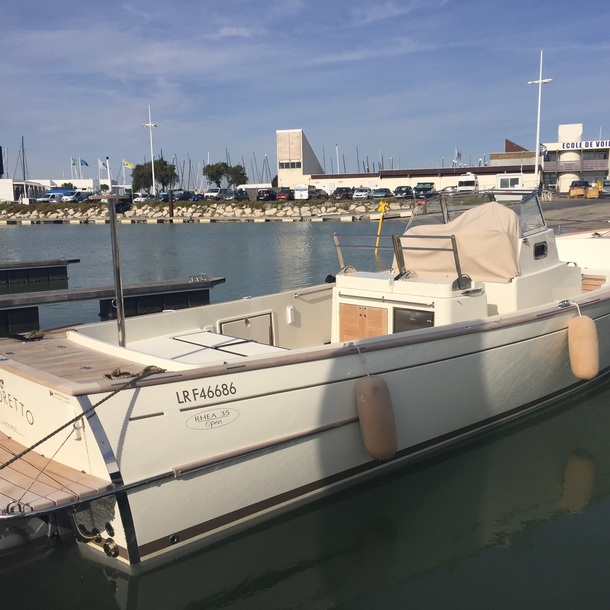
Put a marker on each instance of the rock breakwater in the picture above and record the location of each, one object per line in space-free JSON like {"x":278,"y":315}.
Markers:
{"x":224,"y":211}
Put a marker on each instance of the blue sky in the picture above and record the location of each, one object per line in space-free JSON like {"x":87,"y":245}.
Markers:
{"x":403,"y":80}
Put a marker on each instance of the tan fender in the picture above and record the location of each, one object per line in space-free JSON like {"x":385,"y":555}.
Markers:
{"x":376,"y":416}
{"x":583,"y":347}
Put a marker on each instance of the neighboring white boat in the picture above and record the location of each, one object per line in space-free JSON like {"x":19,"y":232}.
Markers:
{"x":194,"y":423}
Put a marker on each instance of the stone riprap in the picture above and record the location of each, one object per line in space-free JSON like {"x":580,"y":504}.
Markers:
{"x":201,"y":212}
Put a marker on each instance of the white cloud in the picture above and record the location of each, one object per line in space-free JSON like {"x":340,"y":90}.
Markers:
{"x":373,"y":12}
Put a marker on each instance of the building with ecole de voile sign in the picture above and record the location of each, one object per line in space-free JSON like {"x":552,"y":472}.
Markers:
{"x":560,"y":163}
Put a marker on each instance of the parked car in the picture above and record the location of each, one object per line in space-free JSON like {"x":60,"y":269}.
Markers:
{"x":70,"y":197}
{"x":578,"y":188}
{"x":362,"y":193}
{"x":285,"y":194}
{"x":50,"y":198}
{"x":381,"y":193}
{"x":342,"y":192}
{"x":266,"y":195}
{"x":241,"y":195}
{"x":606,"y":188}
{"x":181,"y":195}
{"x":122,"y":204}
{"x":142,"y":197}
{"x":218,"y":193}
{"x":77,"y":197}
{"x":321,"y":194}
{"x":403,"y":192}
{"x":423,"y":189}
{"x":197,"y":197}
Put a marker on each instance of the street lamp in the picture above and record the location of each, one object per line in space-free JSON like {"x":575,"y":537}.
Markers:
{"x":541,"y":81}
{"x":150,"y":126}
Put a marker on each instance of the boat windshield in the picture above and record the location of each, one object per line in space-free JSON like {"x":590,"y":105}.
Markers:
{"x":441,"y":210}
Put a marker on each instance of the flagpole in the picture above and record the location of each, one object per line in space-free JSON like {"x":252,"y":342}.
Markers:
{"x":150,"y":126}
{"x":538,"y":82}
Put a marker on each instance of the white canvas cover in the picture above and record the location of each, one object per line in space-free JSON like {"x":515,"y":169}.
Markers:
{"x":487,"y":240}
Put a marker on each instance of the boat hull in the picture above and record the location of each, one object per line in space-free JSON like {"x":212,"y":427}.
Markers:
{"x":286,"y":433}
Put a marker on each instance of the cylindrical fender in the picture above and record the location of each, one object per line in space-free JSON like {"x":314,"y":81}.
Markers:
{"x":376,"y":416}
{"x":583,"y":347}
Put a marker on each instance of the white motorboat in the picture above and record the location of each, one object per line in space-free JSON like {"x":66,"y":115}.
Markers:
{"x":189,"y":425}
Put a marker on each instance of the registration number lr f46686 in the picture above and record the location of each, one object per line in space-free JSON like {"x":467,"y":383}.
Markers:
{"x":219,"y":390}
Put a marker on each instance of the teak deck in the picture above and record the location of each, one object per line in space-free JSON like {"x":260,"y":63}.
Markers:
{"x":54,"y":355}
{"x":40,"y":483}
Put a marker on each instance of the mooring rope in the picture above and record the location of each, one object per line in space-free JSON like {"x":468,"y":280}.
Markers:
{"x":41,"y":334}
{"x":145,"y":372}
{"x":357,"y":348}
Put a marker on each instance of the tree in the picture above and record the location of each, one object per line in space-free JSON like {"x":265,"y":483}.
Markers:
{"x":215,"y":172}
{"x":236,"y":175}
{"x":165,"y":175}
{"x":141,"y":177}
{"x":68,"y":186}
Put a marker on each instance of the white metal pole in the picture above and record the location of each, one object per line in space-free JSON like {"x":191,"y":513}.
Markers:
{"x":538,"y":82}
{"x":150,"y":126}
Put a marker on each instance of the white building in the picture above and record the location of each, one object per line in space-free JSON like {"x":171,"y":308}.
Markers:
{"x":27,"y":191}
{"x":568,"y":159}
{"x":295,"y":158}
{"x":572,"y":158}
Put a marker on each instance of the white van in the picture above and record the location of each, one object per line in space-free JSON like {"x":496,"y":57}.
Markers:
{"x":50,"y":198}
{"x":301,"y":191}
{"x":468,"y":183}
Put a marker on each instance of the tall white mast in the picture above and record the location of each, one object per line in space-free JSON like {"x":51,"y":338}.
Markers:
{"x":150,"y":126}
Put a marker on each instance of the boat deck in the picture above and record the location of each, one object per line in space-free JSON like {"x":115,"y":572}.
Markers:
{"x":35,"y":482}
{"x":67,"y":360}
{"x":56,"y":356}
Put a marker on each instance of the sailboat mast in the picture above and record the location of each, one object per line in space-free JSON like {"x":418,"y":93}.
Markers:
{"x":23,"y":158}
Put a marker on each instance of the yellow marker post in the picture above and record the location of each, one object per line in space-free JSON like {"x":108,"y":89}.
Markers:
{"x":383,"y":206}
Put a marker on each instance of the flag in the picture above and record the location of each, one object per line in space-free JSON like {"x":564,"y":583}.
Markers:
{"x":543,"y":151}
{"x":83,"y":162}
{"x":73,"y":160}
{"x":101,"y":165}
{"x":128,"y":164}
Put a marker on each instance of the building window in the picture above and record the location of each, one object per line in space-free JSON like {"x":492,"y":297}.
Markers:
{"x":510,"y":182}
{"x":594,"y":155}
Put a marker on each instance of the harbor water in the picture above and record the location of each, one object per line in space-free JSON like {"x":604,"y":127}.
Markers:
{"x":517,"y":518}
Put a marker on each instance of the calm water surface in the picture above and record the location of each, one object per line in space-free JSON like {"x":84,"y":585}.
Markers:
{"x":255,"y":258}
{"x":516,"y":519}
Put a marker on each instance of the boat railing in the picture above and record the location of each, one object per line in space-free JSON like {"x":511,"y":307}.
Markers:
{"x":446,"y":243}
